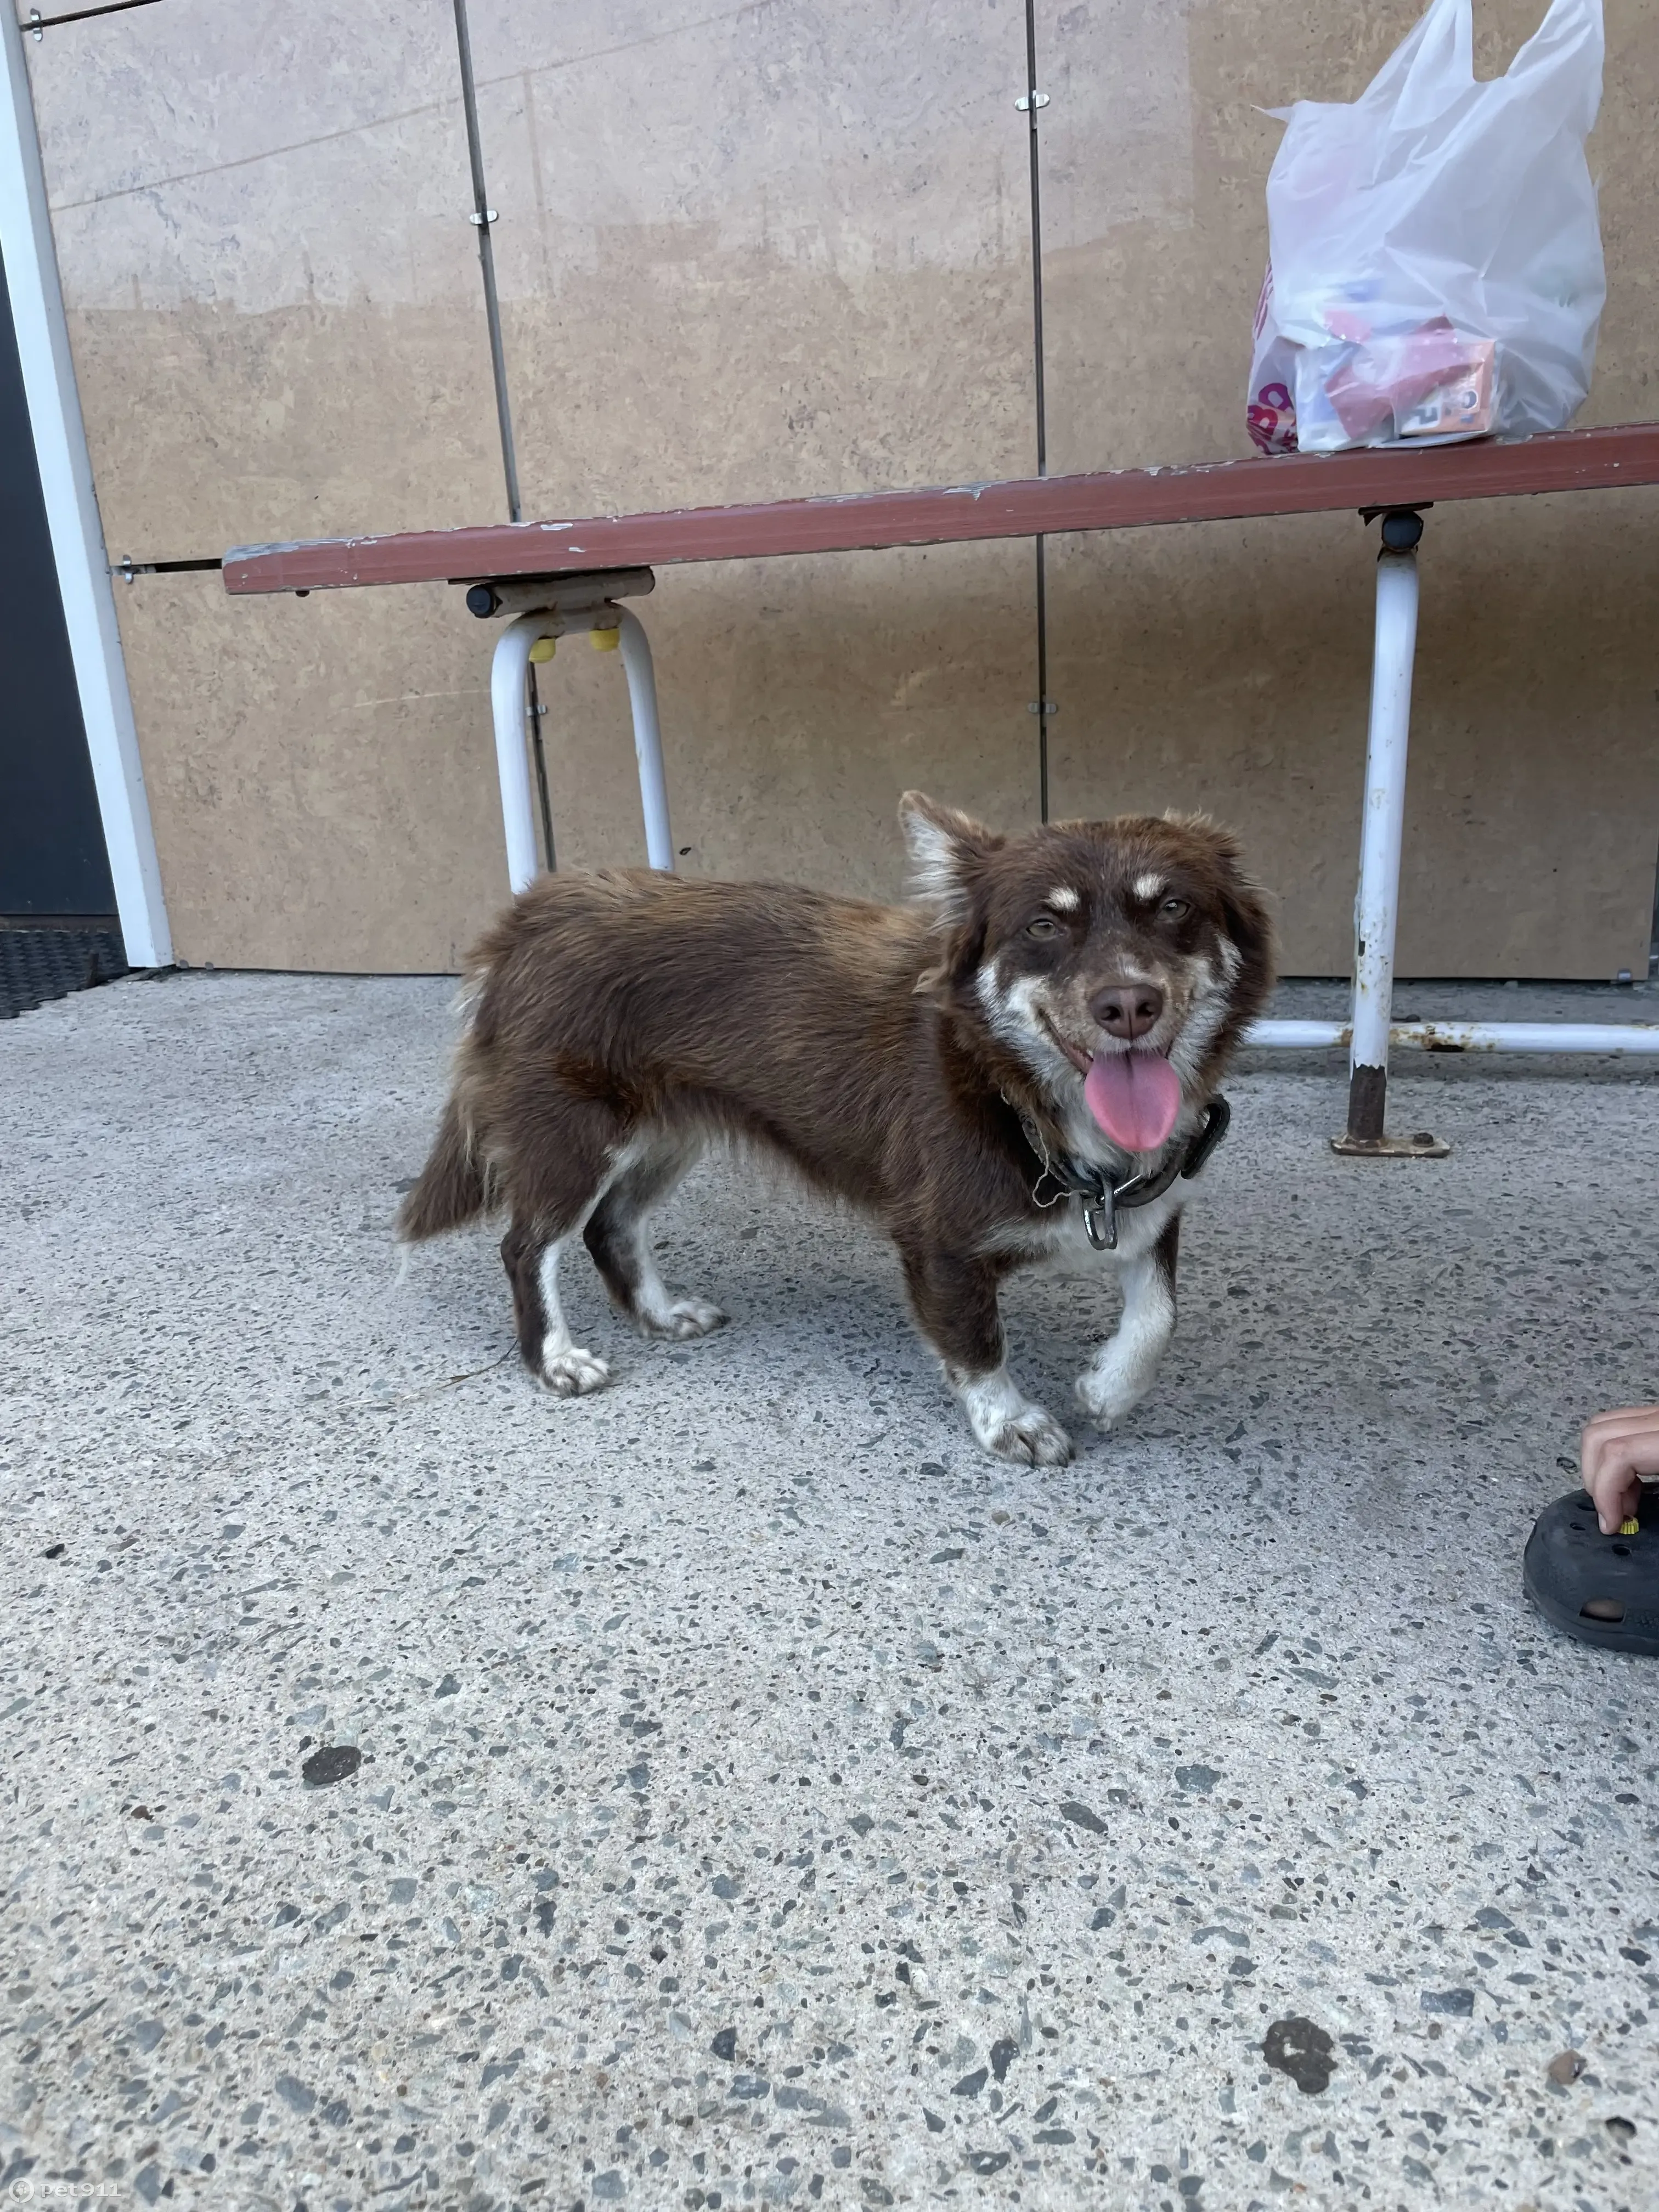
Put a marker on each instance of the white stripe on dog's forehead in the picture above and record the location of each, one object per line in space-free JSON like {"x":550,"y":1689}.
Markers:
{"x":1146,"y":888}
{"x":1065,"y":898}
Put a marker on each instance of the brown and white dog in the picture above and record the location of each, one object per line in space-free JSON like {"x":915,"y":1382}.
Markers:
{"x":1050,"y":1015}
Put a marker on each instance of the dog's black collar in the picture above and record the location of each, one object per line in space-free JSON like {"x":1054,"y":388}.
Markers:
{"x":1102,"y":1199}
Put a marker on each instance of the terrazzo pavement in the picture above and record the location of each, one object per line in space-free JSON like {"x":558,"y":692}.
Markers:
{"x":761,"y":1797}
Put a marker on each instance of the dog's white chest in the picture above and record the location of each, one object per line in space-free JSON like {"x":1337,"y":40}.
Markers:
{"x":1066,"y":1247}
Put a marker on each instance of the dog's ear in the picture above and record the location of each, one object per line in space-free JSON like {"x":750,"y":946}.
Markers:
{"x":1249,"y":925}
{"x":1244,"y":903}
{"x":948,"y":854}
{"x":947,"y":850}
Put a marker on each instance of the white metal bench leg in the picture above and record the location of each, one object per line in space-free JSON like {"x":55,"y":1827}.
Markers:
{"x":647,"y":740}
{"x":1376,"y":906}
{"x":509,"y":700}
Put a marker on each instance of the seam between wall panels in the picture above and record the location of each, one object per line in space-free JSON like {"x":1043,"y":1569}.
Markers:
{"x":484,"y":215}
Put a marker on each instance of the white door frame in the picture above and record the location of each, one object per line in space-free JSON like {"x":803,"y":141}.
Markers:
{"x":77,"y":535}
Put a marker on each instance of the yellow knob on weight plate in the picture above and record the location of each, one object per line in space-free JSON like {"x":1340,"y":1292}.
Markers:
{"x":1630,"y":1527}
{"x":543,"y":649}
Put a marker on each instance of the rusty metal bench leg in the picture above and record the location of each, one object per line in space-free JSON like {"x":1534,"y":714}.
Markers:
{"x":1376,"y":906}
{"x":573,"y":603}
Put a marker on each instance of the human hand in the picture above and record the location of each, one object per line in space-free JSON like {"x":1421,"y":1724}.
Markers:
{"x":1614,"y":1452}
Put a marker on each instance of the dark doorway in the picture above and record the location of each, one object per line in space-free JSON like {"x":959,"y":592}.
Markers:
{"x":54,"y":871}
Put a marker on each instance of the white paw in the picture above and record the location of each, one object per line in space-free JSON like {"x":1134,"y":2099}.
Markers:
{"x":1107,"y":1397}
{"x":1032,"y":1438}
{"x":1006,"y":1422}
{"x":685,"y":1317}
{"x":573,"y":1373}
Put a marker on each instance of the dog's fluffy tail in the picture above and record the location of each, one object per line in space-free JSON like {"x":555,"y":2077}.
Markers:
{"x":451,"y":1189}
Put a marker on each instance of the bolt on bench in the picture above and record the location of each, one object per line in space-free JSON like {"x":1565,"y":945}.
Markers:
{"x":556,"y":578}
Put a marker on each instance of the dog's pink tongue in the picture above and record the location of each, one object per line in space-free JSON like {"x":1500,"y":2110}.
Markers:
{"x":1135,"y":1098}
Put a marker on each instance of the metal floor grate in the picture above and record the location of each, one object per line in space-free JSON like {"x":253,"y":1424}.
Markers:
{"x":39,"y":964}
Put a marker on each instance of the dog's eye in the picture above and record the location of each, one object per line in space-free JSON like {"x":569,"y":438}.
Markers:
{"x":1175,"y":909}
{"x":1044,"y":926}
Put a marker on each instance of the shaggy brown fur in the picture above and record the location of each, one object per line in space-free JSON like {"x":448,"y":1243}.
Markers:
{"x":887,"y":1054}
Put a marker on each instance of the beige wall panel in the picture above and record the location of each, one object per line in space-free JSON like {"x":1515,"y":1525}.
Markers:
{"x":1168,"y":659}
{"x":321,"y":773}
{"x":781,"y":250}
{"x":1533,"y":812}
{"x":798,"y":699}
{"x":261,"y":217}
{"x":1624,"y":156}
{"x":1228,"y":665}
{"x":1229,"y":669}
{"x":784,"y":252}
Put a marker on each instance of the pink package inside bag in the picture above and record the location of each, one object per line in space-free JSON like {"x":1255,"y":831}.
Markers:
{"x":1465,"y":407}
{"x":1403,"y":378}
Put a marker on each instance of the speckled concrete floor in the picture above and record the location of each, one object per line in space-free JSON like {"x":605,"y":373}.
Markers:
{"x":763,"y":1798}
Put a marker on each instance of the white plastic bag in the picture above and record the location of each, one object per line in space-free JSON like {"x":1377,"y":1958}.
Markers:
{"x":1434,"y":256}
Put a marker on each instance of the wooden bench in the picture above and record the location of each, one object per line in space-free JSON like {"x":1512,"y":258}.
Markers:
{"x":553,"y":578}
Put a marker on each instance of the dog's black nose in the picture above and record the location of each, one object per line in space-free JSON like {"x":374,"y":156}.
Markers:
{"x":1127,"y":1010}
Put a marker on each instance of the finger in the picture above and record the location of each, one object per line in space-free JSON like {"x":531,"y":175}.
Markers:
{"x":1609,"y":1428}
{"x":1615,"y":1504}
{"x":1622,"y":1421}
{"x":1634,"y":1442}
{"x":1616,"y":1491}
{"x":1613,"y":1508}
{"x":1637,"y":1448}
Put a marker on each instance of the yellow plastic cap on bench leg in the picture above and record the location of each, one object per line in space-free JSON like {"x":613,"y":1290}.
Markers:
{"x":543,"y":649}
{"x":606,"y":640}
